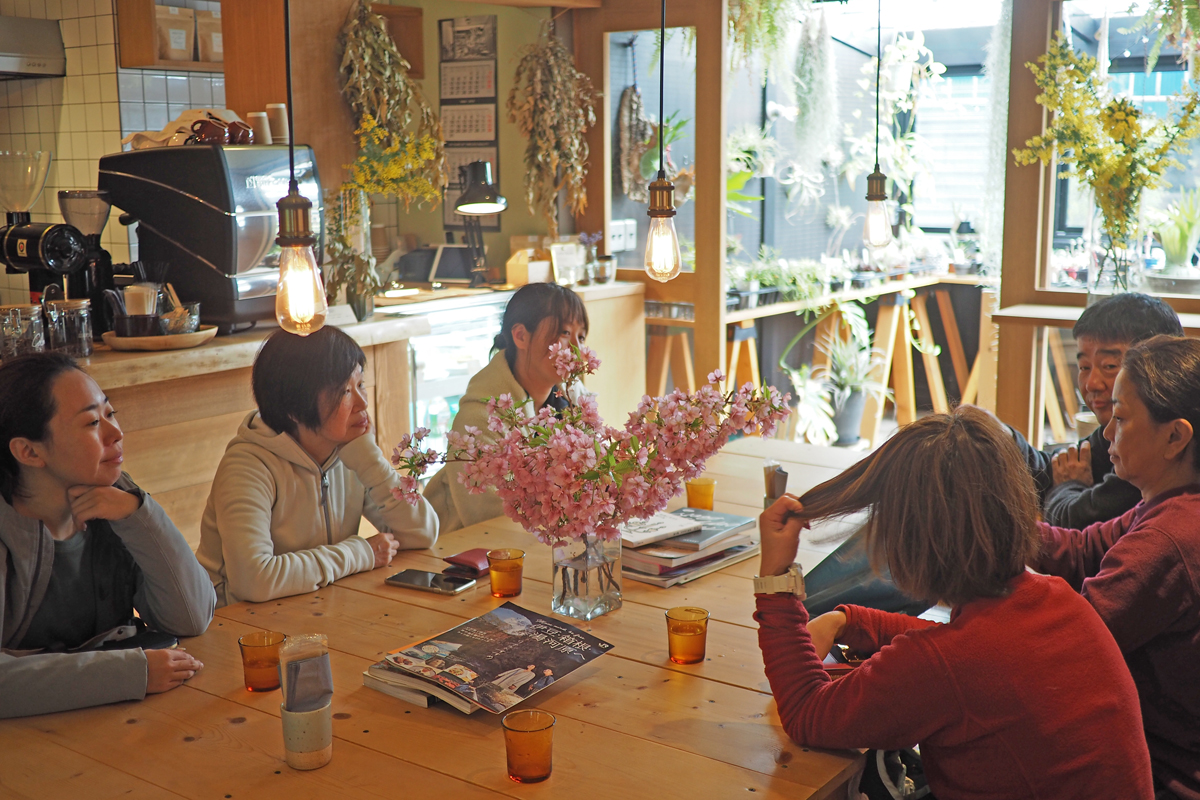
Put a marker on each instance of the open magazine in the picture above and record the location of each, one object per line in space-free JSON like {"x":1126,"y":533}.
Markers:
{"x":491,"y":662}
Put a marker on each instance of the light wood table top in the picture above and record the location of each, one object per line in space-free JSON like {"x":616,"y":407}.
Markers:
{"x":630,"y":724}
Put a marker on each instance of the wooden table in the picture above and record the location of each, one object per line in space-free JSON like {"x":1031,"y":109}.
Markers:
{"x":630,"y":724}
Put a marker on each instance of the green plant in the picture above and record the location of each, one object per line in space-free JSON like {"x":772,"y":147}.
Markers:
{"x":851,"y":365}
{"x":553,"y":104}
{"x":1177,"y":21}
{"x":1179,"y":233}
{"x":735,"y":198}
{"x":377,"y":86}
{"x":674,"y":129}
{"x":752,"y":149}
{"x":345,"y":265}
{"x":812,"y":412}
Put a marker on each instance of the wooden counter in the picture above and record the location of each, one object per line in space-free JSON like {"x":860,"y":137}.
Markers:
{"x":180,"y":408}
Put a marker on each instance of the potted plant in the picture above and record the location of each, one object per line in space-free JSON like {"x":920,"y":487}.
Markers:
{"x":848,"y":375}
{"x":349,"y":263}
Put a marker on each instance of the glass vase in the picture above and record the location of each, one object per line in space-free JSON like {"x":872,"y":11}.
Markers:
{"x":1113,"y":271}
{"x":587,"y":578}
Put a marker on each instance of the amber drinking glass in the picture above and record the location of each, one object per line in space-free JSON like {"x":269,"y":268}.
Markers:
{"x":506,"y":567}
{"x":687,"y":632}
{"x":700,"y":493}
{"x":260,"y":659}
{"x":528,"y":741}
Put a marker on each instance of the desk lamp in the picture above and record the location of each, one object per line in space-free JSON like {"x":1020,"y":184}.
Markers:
{"x":479,"y":198}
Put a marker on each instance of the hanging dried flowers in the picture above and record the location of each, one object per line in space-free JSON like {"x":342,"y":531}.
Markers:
{"x":347,"y":265}
{"x":379,"y":90}
{"x":553,"y":105}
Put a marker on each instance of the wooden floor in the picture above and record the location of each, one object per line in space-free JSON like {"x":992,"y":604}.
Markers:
{"x":630,"y":724}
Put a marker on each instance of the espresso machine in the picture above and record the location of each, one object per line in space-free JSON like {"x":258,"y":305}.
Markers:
{"x":44,"y":251}
{"x":210,"y":212}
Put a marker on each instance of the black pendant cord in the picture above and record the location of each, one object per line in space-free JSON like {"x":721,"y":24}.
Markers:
{"x":287,"y":55}
{"x":662,"y":60}
{"x":878,"y":69}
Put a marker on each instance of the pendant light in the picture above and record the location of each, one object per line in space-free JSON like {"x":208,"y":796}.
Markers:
{"x":663,"y":259}
{"x":300,"y":304}
{"x":878,"y":228}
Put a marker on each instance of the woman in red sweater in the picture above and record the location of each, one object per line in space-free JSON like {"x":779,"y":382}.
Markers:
{"x":1023,"y":694}
{"x":1141,"y":571}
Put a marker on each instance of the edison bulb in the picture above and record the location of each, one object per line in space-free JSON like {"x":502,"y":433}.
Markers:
{"x":300,"y":304}
{"x":878,"y":228}
{"x":663,"y":259}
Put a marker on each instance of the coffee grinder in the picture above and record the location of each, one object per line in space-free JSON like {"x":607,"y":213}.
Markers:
{"x":45,"y":251}
{"x":87,"y":211}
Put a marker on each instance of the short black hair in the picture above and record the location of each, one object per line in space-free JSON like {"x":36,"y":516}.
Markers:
{"x":533,"y":303}
{"x":293,"y":374}
{"x":1128,"y":317}
{"x":26,"y":407}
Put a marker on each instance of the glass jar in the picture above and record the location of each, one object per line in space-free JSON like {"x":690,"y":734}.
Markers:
{"x":23,"y":332}
{"x":69,"y":327}
{"x":606,"y":268}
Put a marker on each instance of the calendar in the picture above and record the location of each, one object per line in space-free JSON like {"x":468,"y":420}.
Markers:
{"x":457,"y":157}
{"x":470,"y":123}
{"x":468,"y":80}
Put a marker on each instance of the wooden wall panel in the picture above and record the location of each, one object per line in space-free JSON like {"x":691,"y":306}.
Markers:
{"x":621,"y":380}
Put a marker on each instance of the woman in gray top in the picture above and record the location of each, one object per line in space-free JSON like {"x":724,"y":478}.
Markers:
{"x":82,"y":547}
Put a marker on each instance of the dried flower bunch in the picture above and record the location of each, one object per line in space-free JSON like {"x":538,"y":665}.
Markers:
{"x":389,"y":105}
{"x":553,"y":104}
{"x":563,"y":478}
{"x":760,"y":27}
{"x":1106,"y":142}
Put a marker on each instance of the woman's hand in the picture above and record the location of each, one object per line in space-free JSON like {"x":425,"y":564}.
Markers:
{"x":385,"y":547}
{"x":101,"y":502}
{"x":780,"y":527}
{"x":166,"y":669}
{"x":825,"y":630}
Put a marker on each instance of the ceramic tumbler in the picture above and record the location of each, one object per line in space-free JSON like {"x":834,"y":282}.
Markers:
{"x":308,"y":737}
{"x":262,"y":128}
{"x":277,"y":116}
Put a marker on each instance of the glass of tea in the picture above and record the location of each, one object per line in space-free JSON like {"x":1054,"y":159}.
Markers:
{"x":528,"y":742}
{"x":700,"y":493}
{"x":506,"y":567}
{"x":260,"y":659}
{"x":687,"y":631}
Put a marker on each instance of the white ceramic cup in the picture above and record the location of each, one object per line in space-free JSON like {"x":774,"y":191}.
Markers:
{"x":277,"y":117}
{"x":261,"y":125}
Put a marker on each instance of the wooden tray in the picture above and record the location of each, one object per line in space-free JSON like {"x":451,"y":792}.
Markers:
{"x":180,"y":341}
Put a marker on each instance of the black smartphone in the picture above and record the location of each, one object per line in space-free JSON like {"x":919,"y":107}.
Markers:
{"x":431,"y":581}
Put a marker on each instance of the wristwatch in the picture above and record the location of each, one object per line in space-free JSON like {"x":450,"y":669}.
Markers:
{"x":790,"y":582}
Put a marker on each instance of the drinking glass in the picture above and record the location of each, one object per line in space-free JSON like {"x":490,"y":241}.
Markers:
{"x":687,"y":631}
{"x":506,"y":567}
{"x":700,"y":493}
{"x":528,"y":742}
{"x":260,"y":659}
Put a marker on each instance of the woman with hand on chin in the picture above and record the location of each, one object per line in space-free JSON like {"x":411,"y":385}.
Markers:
{"x":1141,"y":571}
{"x":1022,"y":694}
{"x":294,"y":484}
{"x":537,"y":316}
{"x":82,"y":547}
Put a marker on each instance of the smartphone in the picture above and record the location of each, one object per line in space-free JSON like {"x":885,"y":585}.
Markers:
{"x":431,"y":581}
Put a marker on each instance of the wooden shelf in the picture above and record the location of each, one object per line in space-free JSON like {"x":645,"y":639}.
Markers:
{"x":137,"y":33}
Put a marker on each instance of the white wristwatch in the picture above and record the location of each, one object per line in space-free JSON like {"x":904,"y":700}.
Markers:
{"x":790,"y":582}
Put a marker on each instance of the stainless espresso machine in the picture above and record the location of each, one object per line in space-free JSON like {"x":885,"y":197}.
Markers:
{"x":209,"y":212}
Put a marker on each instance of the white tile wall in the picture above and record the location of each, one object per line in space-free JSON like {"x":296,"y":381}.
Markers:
{"x":84,"y":115}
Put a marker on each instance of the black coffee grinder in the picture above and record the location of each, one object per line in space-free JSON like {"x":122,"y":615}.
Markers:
{"x":45,"y":251}
{"x":87,"y":211}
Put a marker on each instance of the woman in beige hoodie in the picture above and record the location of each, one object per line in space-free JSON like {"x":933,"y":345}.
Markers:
{"x":537,"y":316}
{"x":283,"y":514}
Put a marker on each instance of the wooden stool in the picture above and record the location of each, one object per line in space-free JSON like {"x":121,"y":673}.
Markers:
{"x":670,"y":352}
{"x":742,"y":340}
{"x":891,"y":341}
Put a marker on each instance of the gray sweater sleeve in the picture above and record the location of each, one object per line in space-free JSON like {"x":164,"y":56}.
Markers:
{"x":175,"y":594}
{"x":44,"y":683}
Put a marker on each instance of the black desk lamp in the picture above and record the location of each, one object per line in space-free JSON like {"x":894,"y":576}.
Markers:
{"x":479,"y":198}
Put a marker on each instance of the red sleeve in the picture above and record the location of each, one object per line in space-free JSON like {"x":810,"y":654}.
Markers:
{"x":1074,"y":555}
{"x":896,"y":698}
{"x":868,"y":630}
{"x":1142,"y":588}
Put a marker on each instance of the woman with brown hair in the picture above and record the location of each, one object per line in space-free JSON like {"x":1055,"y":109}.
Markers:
{"x":1141,"y":571}
{"x":1022,"y":694}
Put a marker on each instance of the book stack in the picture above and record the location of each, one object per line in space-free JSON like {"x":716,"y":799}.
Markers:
{"x":679,"y":546}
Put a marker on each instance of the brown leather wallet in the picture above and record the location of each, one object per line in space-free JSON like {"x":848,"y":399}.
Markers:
{"x":474,"y":560}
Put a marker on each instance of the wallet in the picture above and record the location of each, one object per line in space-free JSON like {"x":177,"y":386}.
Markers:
{"x":472,"y":563}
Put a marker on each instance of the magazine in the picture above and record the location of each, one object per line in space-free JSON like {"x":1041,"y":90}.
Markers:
{"x":663,"y":525}
{"x":491,"y":662}
{"x":716,"y":526}
{"x":691,"y":572}
{"x":656,"y":560}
